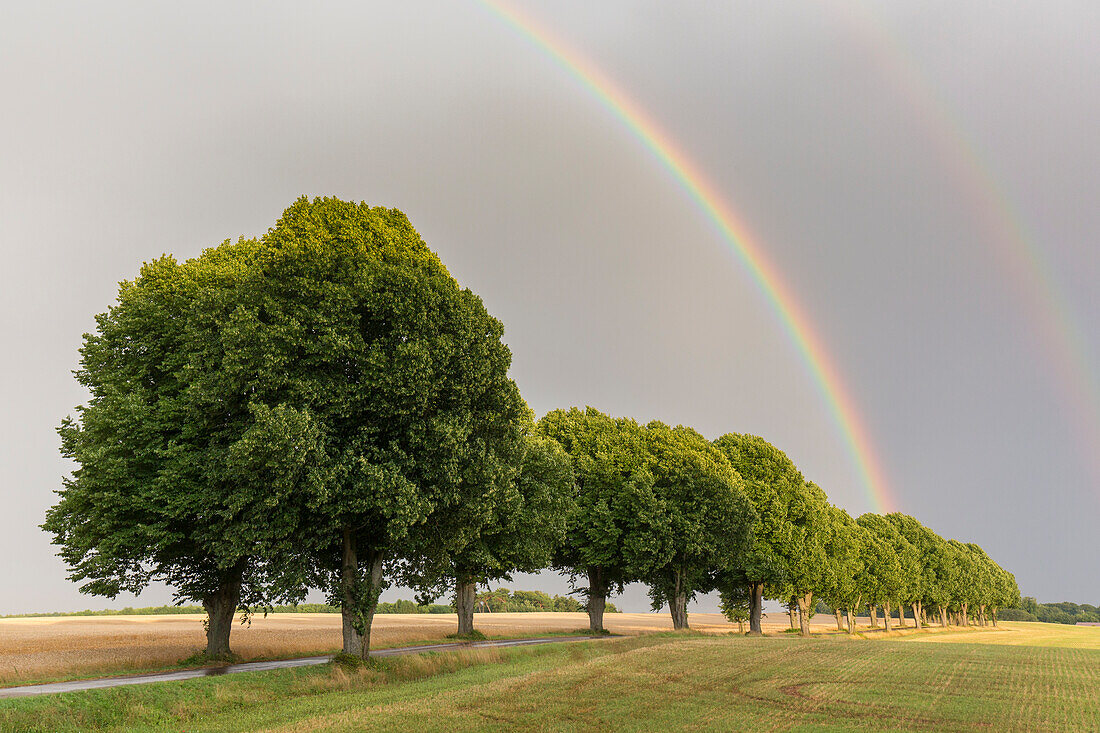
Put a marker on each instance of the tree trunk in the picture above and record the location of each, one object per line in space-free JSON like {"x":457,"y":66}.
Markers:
{"x":964,"y":621}
{"x":349,"y":573}
{"x":677,"y":605}
{"x":597,"y":598}
{"x":740,"y":626}
{"x":375,"y":590}
{"x":756,"y":608}
{"x":993,"y":615}
{"x":465,"y":598}
{"x":943,"y":617}
{"x":804,"y":614}
{"x":848,"y":618}
{"x":886,"y":614}
{"x":357,"y":607}
{"x":873,"y":609}
{"x":792,"y":607}
{"x":839,"y":620}
{"x":220,"y":606}
{"x":901,"y":615}
{"x":916,"y":614}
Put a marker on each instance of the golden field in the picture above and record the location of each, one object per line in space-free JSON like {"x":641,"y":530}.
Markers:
{"x":36,"y":649}
{"x":66,"y":646}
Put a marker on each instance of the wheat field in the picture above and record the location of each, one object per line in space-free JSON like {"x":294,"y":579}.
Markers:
{"x":35,"y":649}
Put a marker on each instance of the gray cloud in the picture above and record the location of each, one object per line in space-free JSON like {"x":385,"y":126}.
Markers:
{"x":134,"y":129}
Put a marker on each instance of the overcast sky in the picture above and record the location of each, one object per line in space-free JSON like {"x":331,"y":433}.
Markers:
{"x":891,"y":158}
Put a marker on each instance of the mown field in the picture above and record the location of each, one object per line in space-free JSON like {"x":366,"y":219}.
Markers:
{"x":966,"y":680}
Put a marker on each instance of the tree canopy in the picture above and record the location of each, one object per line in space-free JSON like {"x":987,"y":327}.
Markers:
{"x":615,"y":528}
{"x":707,"y":520}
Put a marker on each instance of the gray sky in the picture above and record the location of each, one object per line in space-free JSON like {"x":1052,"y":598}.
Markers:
{"x":844,"y":134}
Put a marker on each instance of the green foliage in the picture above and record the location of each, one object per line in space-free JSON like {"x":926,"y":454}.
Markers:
{"x":503,"y":600}
{"x":326,"y":406}
{"x":735,"y":602}
{"x":166,"y":487}
{"x":844,"y":569}
{"x":615,"y":527}
{"x":707,"y":520}
{"x":512,"y":527}
{"x":891,"y":562}
{"x":1053,"y":613}
{"x":772,"y":484}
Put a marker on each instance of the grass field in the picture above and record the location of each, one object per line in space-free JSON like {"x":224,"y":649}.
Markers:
{"x":1024,"y":677}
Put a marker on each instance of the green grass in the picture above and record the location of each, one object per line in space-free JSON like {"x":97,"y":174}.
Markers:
{"x":663,"y":681}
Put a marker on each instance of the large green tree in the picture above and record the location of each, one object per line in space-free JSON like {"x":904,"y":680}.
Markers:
{"x":889,"y":562}
{"x":807,"y":565}
{"x":615,"y":529}
{"x":182,"y":475}
{"x":708,"y":519}
{"x":927,"y":585}
{"x":773,"y":484}
{"x":965,"y":577}
{"x":511,"y":528}
{"x":313,"y":395}
{"x":405,"y":372}
{"x":843,"y":565}
{"x":1006,"y":593}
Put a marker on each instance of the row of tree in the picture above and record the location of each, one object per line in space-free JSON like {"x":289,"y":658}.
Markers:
{"x":325,"y":407}
{"x":666,"y":507}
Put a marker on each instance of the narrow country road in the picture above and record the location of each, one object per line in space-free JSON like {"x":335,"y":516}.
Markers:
{"x":187,"y":674}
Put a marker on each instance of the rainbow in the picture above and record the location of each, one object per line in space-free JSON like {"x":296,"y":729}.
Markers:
{"x":1054,"y":322}
{"x":736,"y":235}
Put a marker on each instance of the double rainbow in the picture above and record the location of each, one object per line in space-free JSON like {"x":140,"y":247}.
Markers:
{"x":746,"y":248}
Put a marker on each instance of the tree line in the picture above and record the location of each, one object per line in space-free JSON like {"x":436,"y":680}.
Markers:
{"x":325,"y":407}
{"x":1063,"y":612}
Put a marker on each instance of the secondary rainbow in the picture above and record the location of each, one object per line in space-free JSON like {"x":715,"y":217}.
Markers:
{"x":734,"y":233}
{"x":1055,"y":323}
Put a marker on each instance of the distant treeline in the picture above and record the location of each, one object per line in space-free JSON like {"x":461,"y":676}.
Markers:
{"x":497,"y":601}
{"x":530,"y":601}
{"x":1052,"y":613}
{"x":399,"y":606}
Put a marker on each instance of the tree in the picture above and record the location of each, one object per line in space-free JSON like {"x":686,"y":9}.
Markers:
{"x":614,"y":530}
{"x":844,"y":564}
{"x":965,"y":578}
{"x":736,"y":603}
{"x":771,"y":482}
{"x":890,"y":574}
{"x":405,"y":374}
{"x":1007,"y":593}
{"x":707,"y":519}
{"x":985,"y":589}
{"x":936,"y":567}
{"x":182,"y":475}
{"x":915,"y":541}
{"x":806,"y":554}
{"x":513,"y":529}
